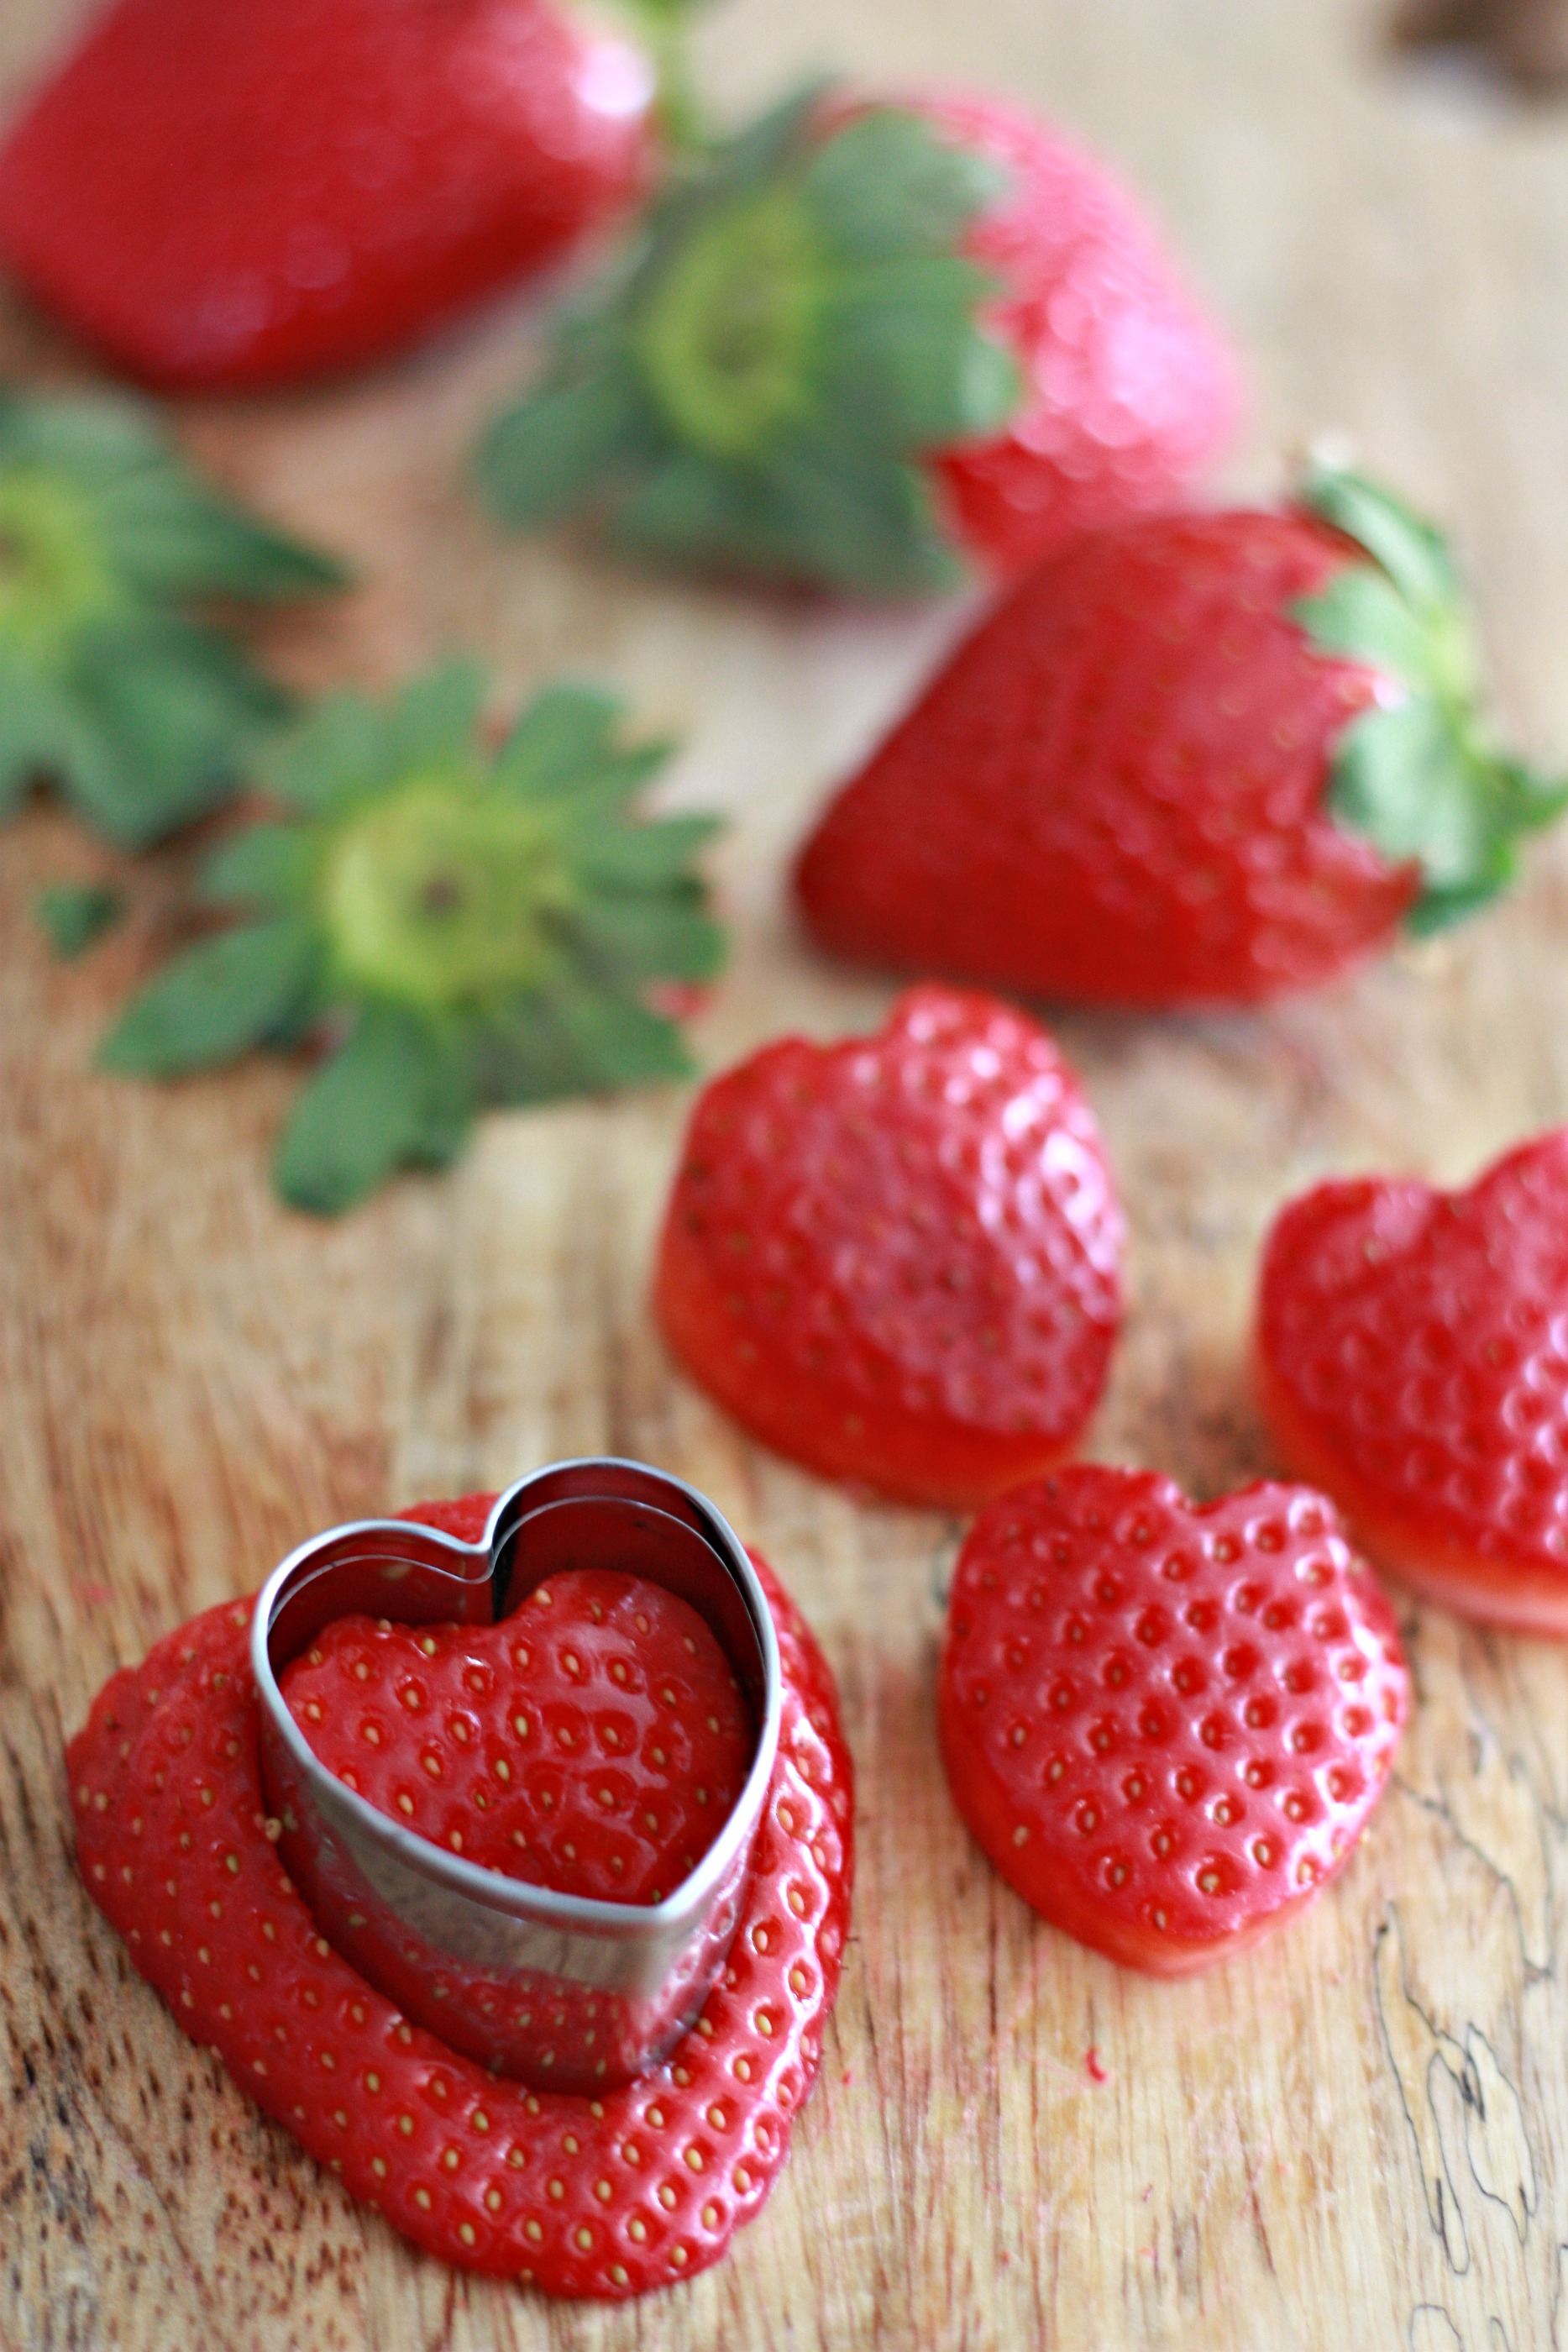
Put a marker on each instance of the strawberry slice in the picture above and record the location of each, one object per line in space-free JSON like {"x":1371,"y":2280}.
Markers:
{"x":598,"y":2198}
{"x":234,"y":196}
{"x":1167,"y":1722}
{"x":896,"y":1259}
{"x":594,"y":1741}
{"x":1412,"y":1359}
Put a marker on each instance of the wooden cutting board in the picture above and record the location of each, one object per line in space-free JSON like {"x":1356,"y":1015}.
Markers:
{"x":1359,"y":2136}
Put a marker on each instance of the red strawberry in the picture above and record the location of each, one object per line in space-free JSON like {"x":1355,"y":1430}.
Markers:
{"x":600,"y":2197}
{"x":1129,"y":393}
{"x":1202,"y":757}
{"x":594,"y":1741}
{"x":237,"y":195}
{"x":895,"y":1259}
{"x":1167,"y":1722}
{"x":860,"y":342}
{"x":1413,"y":1361}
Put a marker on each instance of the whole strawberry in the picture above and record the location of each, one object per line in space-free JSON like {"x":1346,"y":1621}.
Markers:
{"x":1167,"y":1722}
{"x":1412,"y":1359}
{"x":896,"y":1259}
{"x":861,"y":344}
{"x":601,"y":2198}
{"x":1198,"y":759}
{"x":233,"y":196}
{"x":593,"y":1741}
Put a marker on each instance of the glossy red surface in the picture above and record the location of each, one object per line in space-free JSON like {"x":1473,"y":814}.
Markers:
{"x":1412,"y":1359}
{"x":1166,"y":1722}
{"x":896,"y":1259}
{"x":583,"y":2197}
{"x":240,"y":195}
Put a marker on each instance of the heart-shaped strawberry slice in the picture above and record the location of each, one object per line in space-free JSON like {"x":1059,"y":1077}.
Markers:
{"x":575,"y":2196}
{"x":594,"y":1741}
{"x":1413,"y":1361}
{"x":896,"y":1259}
{"x":1167,"y":1722}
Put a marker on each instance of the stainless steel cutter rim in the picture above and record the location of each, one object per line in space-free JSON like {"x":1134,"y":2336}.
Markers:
{"x":515,"y":1897}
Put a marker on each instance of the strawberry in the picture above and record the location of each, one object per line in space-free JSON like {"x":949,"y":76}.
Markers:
{"x":593,"y":1741}
{"x":600,"y":2197}
{"x":1167,"y":1722}
{"x":229,"y":197}
{"x":1202,"y":757}
{"x":865,"y":344}
{"x":896,"y":1259}
{"x":1412,"y":1358}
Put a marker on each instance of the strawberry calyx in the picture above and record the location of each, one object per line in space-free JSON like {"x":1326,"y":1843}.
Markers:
{"x":109,"y":686}
{"x":1415,"y":774}
{"x":754,"y":382}
{"x":468,"y":927}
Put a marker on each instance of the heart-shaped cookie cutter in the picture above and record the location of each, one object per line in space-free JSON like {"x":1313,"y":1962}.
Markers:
{"x":564,"y":1992}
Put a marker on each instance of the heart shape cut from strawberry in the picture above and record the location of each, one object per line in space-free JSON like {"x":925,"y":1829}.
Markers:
{"x":601,"y":2198}
{"x":594,"y":1741}
{"x":1412,"y":1359}
{"x":896,"y":1259}
{"x":1167,"y":1722}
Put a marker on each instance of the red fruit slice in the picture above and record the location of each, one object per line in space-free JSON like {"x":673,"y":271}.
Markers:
{"x":585,"y":2197}
{"x":1167,"y":1722}
{"x":1412,"y":1359}
{"x":896,"y":1259}
{"x":595,"y":1742}
{"x":237,"y":195}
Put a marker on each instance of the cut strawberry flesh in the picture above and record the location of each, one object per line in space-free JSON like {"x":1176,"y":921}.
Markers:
{"x":595,"y":1742}
{"x":1167,"y":1723}
{"x":599,"y":2197}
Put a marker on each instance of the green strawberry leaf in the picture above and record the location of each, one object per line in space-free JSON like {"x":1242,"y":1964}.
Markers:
{"x":76,"y":914}
{"x":172,"y":539}
{"x":564,"y":731}
{"x":340,"y":754}
{"x":1410,"y":549}
{"x":433,"y":721}
{"x":763,"y":371}
{"x":216,"y":1000}
{"x":653,"y":938}
{"x":115,"y":693}
{"x":620,"y":1042}
{"x":1415,"y":775}
{"x":644,"y":856}
{"x":887,"y":186}
{"x":564,"y":446}
{"x":367,"y":1110}
{"x":480,"y":928}
{"x":267,"y":866}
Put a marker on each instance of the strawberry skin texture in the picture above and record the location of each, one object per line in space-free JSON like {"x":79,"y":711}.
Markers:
{"x":1412,"y":1358}
{"x":174,"y":1846}
{"x":317,"y":184}
{"x":1129,"y":393}
{"x":594,"y":1741}
{"x":1114,"y":791}
{"x":896,"y":1259}
{"x":1167,"y":1723}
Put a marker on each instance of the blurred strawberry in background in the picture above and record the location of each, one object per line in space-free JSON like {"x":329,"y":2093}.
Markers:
{"x":873,"y":347}
{"x":234,"y":195}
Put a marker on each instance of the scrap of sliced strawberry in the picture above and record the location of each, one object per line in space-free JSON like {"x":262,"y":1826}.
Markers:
{"x":594,"y":1741}
{"x":1167,"y":1722}
{"x":1412,"y":1356}
{"x":897,"y":1258}
{"x":599,"y":2197}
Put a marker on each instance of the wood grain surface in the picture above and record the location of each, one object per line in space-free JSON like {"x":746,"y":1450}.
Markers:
{"x":1357,"y":2136}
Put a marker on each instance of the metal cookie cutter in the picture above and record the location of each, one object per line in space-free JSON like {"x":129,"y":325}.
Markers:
{"x":569,"y":1994}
